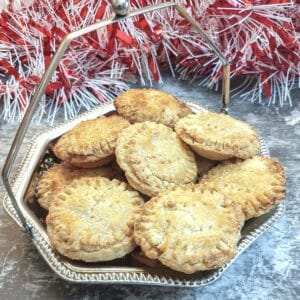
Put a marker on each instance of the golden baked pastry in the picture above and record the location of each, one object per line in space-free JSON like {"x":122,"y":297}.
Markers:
{"x":154,"y":158}
{"x":218,"y":136}
{"x":59,"y":176}
{"x":189,"y":229}
{"x":91,"y":143}
{"x":257,"y":184}
{"x":92,"y":219}
{"x":139,"y":105}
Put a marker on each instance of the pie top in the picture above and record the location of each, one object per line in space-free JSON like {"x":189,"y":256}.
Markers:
{"x":59,"y":176}
{"x":139,"y":105}
{"x":257,"y":184}
{"x":189,"y":229}
{"x":90,"y":141}
{"x":218,"y":136}
{"x":154,"y":158}
{"x":92,"y":219}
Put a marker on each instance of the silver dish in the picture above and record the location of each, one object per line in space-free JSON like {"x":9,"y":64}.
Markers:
{"x":122,"y":271}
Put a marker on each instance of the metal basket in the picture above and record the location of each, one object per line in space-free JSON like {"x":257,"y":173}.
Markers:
{"x":37,"y":159}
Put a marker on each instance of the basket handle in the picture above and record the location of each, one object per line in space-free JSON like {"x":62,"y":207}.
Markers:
{"x":121,"y":8}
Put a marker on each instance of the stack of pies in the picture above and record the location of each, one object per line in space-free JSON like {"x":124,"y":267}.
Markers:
{"x":132,"y":179}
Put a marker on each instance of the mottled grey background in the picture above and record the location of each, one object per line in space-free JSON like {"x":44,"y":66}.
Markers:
{"x":269,"y":269}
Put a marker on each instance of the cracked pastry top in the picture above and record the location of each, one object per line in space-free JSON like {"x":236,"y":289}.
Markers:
{"x":91,"y":143}
{"x":189,"y":229}
{"x":218,"y":136}
{"x":154,"y":158}
{"x":139,"y":105}
{"x":257,"y":184}
{"x":92,"y":219}
{"x":59,"y":176}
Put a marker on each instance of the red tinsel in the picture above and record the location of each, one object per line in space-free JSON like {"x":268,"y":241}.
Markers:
{"x":259,"y":38}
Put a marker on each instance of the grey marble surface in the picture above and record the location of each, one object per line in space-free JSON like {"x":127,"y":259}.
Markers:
{"x":269,"y":269}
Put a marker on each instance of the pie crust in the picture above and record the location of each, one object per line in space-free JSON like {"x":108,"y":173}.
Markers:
{"x":139,"y":105}
{"x":189,"y":229}
{"x":154,"y":158}
{"x":257,"y":184}
{"x":59,"y":176}
{"x":218,"y":136}
{"x":92,"y":219}
{"x":91,"y":143}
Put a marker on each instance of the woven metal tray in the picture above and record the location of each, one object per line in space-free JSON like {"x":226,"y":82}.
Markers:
{"x":126,"y":270}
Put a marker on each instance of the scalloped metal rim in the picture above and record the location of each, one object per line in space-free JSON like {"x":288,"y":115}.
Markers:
{"x":65,"y":271}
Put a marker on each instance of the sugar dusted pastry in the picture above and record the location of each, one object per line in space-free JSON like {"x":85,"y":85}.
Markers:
{"x":59,"y":176}
{"x":138,"y":105}
{"x":154,"y":158}
{"x":92,"y":219}
{"x":257,"y":184}
{"x":189,"y":229}
{"x":91,"y":143}
{"x":218,"y":136}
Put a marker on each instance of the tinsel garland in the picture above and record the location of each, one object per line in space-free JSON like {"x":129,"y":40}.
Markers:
{"x":261,"y":39}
